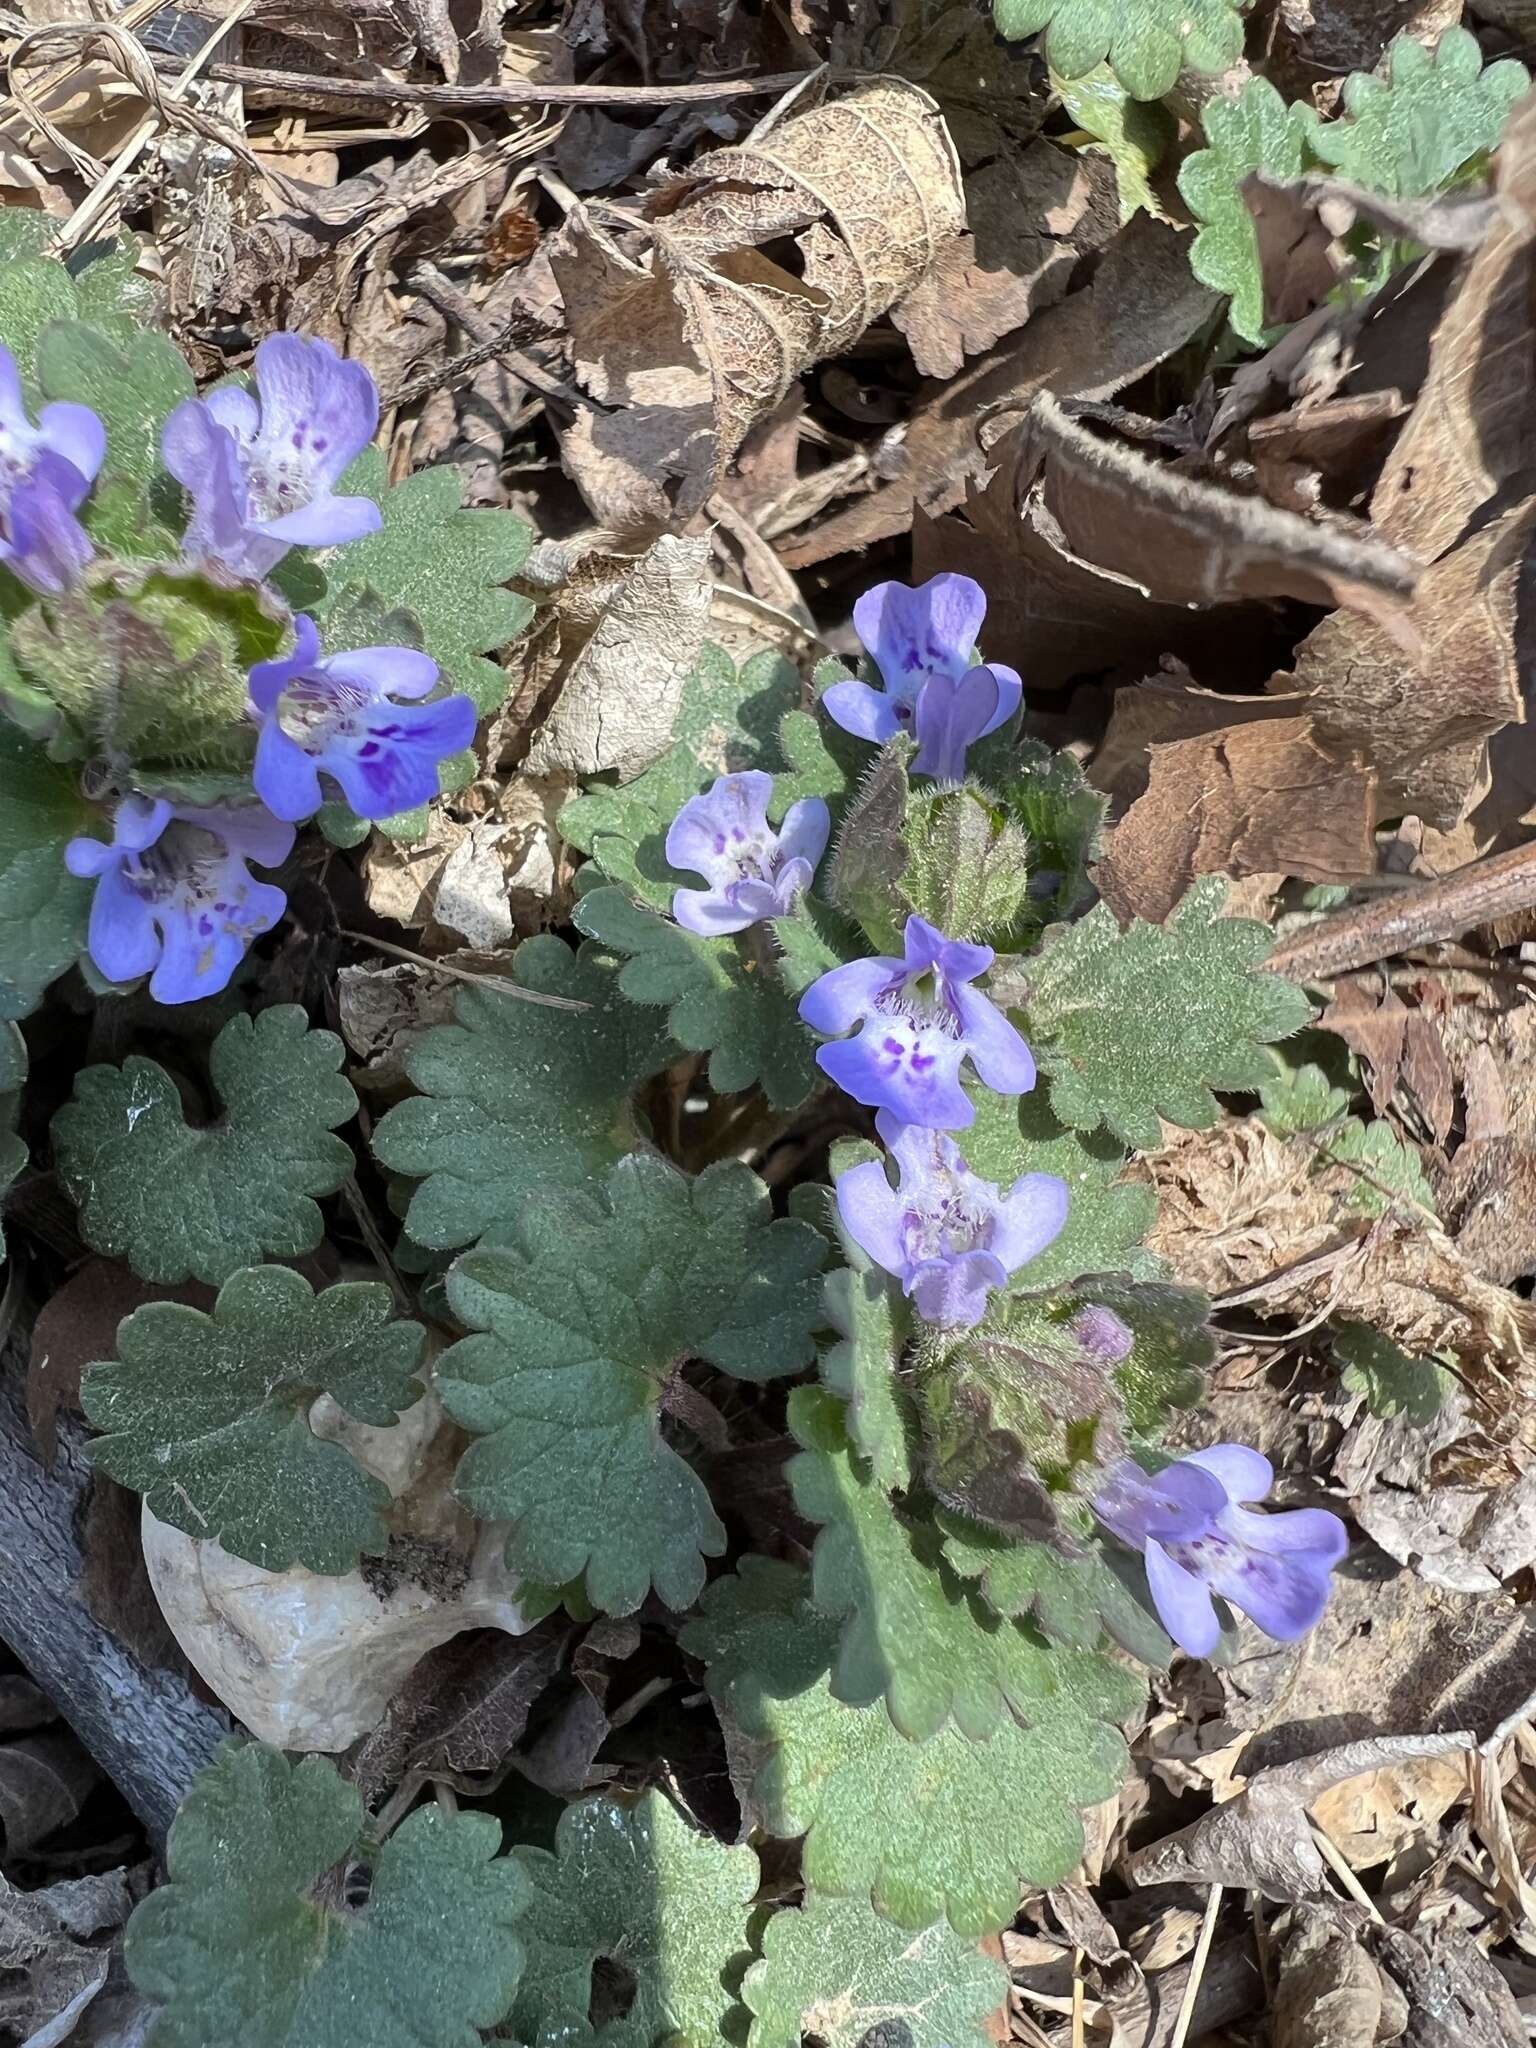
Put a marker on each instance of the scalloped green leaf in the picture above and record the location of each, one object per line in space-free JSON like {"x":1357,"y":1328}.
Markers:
{"x":241,"y":1948}
{"x":1074,"y":1595}
{"x":183,"y":1202}
{"x":581,"y":1329}
{"x":1256,"y":131}
{"x":728,"y":720}
{"x":1436,"y":112}
{"x":1129,"y":1026}
{"x":945,"y":1826}
{"x":1147,"y":42}
{"x":717,"y":997}
{"x":518,"y":1097}
{"x":447,"y":566}
{"x":35,"y":291}
{"x":863,"y":1369}
{"x":134,"y":506}
{"x":819,"y":759}
{"x":912,"y":1634}
{"x":208,"y":1415}
{"x":639,"y":1889}
{"x":835,"y":1969}
{"x":1134,"y":134}
{"x":43,"y":907}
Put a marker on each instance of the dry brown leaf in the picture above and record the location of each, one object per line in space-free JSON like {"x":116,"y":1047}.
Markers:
{"x":1329,"y":1994}
{"x":1247,"y":800}
{"x":682,"y":320}
{"x":619,"y":698}
{"x":1261,"y":1840}
{"x":1423,"y":722}
{"x":1398,"y":1044}
{"x":1192,"y":543}
{"x":1030,"y":218}
{"x":1082,"y":347}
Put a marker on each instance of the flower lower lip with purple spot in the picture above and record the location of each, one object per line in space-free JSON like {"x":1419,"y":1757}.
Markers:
{"x":753,"y":872}
{"x":946,"y":1234}
{"x":46,"y":473}
{"x":175,"y":898}
{"x":1197,"y":1540}
{"x":262,"y":471}
{"x":338,"y":715}
{"x":919,"y":1022}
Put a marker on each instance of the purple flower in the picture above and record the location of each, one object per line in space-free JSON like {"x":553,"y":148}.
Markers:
{"x":262,"y":471}
{"x":1100,"y":1332}
{"x":174,"y":894}
{"x":917,"y":637}
{"x":335,"y":713}
{"x":948,"y":1235}
{"x":920,"y":1020}
{"x":753,"y":872}
{"x":46,"y":472}
{"x":1197,"y":1541}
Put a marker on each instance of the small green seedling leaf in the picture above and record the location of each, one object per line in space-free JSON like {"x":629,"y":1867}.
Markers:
{"x":1129,"y":1026}
{"x":1437,"y":111}
{"x":446,"y":566}
{"x":946,"y":1826}
{"x":1302,"y":1099}
{"x":1392,"y":1384}
{"x":639,"y":1889}
{"x":519,"y":1097}
{"x":208,"y":1415}
{"x":194,"y":1203}
{"x":1134,"y":134}
{"x":43,"y":907}
{"x":835,"y":1970}
{"x":1147,"y":42}
{"x":239,"y":1952}
{"x":717,"y":1001}
{"x":583,"y":1325}
{"x":1257,"y":131}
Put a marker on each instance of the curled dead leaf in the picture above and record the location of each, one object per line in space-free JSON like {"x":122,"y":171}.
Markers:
{"x":692,"y":318}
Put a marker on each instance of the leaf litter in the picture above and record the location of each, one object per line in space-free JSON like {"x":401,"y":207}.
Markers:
{"x":1219,"y":380}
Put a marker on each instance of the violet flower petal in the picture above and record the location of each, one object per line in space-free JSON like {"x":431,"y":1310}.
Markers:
{"x":951,"y":717}
{"x":1029,"y":1217}
{"x":871,"y":1211}
{"x":998,"y":1052}
{"x":1243,"y":1473}
{"x":915,"y":633}
{"x":952,"y":1293}
{"x":1183,"y":1603}
{"x":868,"y":714}
{"x":843,"y":995}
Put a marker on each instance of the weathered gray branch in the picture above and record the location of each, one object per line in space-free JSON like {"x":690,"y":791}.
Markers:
{"x":146,"y":1729}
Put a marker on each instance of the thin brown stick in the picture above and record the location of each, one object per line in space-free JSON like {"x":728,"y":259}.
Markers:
{"x":1197,"y":1968}
{"x":1500,"y":886}
{"x":391,"y":92}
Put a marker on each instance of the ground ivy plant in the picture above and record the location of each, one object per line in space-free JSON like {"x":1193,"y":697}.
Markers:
{"x":810,"y":1133}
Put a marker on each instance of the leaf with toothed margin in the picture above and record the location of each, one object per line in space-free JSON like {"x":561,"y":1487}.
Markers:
{"x":1129,"y":1026}
{"x":520,"y":1098}
{"x":184,"y":1202}
{"x":1147,"y":42}
{"x":245,"y":1946}
{"x":1072,"y":1589}
{"x":717,"y":999}
{"x":911,"y":1633}
{"x":863,"y":1369}
{"x":43,"y":907}
{"x":208,"y":1416}
{"x":946,"y":1826}
{"x":580,"y":1329}
{"x":835,"y":1970}
{"x":641,"y":1890}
